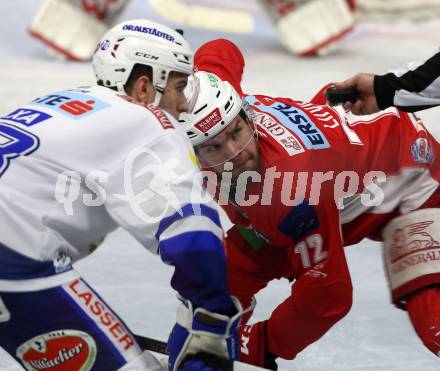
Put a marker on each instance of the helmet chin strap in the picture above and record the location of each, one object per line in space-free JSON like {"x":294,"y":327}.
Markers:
{"x":120,"y":88}
{"x":158,"y":95}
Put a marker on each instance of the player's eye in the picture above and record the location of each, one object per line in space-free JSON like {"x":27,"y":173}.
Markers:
{"x":213,"y":148}
{"x":236,"y":133}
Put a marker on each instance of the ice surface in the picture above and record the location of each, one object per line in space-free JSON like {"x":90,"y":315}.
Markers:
{"x":375,"y":335}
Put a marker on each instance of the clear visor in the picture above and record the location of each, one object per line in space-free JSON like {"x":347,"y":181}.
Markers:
{"x":232,"y":140}
{"x":191,"y":92}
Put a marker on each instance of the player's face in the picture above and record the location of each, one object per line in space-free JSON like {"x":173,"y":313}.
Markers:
{"x":173,"y":100}
{"x":236,"y":143}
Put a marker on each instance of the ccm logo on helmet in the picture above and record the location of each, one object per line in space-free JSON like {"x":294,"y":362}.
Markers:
{"x":147,"y":30}
{"x":146,"y":55}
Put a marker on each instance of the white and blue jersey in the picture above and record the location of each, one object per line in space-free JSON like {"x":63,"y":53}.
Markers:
{"x":76,"y":164}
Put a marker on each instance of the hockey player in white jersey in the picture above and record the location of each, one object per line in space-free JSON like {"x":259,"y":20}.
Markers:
{"x":75,"y":165}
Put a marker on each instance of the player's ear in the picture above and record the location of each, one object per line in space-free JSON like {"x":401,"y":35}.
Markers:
{"x":143,"y":90}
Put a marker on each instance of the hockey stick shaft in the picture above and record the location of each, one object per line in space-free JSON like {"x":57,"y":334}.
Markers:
{"x":158,"y":346}
{"x":152,"y":344}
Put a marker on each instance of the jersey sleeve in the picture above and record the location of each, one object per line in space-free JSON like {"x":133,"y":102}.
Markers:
{"x":155,"y":194}
{"x":223,"y":58}
{"x":411,"y":88}
{"x":322,"y":291}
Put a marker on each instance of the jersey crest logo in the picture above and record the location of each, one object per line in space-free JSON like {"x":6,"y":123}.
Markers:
{"x":71,"y":104}
{"x":422,"y":151}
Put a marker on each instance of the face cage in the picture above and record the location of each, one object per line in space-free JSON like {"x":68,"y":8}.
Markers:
{"x":248,"y":115}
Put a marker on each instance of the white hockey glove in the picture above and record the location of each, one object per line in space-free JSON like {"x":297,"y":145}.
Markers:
{"x":72,"y":28}
{"x":309,"y":27}
{"x":201,"y":338}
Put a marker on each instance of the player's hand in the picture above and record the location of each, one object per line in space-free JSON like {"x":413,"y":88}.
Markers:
{"x":200,"y":331}
{"x":364,"y":85}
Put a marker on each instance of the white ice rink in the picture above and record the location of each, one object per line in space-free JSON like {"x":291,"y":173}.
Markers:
{"x":375,"y":335}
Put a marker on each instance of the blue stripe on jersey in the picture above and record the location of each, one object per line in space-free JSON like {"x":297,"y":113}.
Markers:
{"x":188,"y":242}
{"x":200,"y":274}
{"x":15,"y":266}
{"x":188,"y":210}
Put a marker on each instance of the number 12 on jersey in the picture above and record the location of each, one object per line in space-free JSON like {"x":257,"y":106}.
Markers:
{"x":310,"y":250}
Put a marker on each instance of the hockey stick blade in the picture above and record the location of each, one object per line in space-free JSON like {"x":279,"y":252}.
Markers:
{"x":158,"y":346}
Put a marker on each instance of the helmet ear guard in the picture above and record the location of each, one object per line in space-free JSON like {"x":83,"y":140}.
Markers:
{"x":141,"y":42}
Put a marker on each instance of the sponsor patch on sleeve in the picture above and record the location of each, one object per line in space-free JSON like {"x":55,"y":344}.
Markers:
{"x":295,"y":120}
{"x":279,"y":133}
{"x":72,"y":104}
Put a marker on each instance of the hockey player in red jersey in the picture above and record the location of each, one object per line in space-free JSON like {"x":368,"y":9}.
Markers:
{"x":301,"y":180}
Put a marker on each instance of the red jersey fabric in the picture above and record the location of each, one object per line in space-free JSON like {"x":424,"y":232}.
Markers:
{"x":322,"y":186}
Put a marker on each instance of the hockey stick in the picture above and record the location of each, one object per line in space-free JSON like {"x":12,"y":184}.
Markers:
{"x":152,"y":345}
{"x":203,"y":16}
{"x":158,"y":346}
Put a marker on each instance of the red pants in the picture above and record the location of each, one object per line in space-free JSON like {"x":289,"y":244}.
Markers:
{"x":424,"y":311}
{"x":424,"y":305}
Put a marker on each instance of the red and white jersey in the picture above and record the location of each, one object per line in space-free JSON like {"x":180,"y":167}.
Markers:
{"x":328,"y":180}
{"x":398,"y":145}
{"x":325,"y":180}
{"x":368,"y":168}
{"x":388,"y":161}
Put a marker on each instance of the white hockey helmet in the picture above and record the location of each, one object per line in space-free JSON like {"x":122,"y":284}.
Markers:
{"x":213,"y":105}
{"x":144,"y":42}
